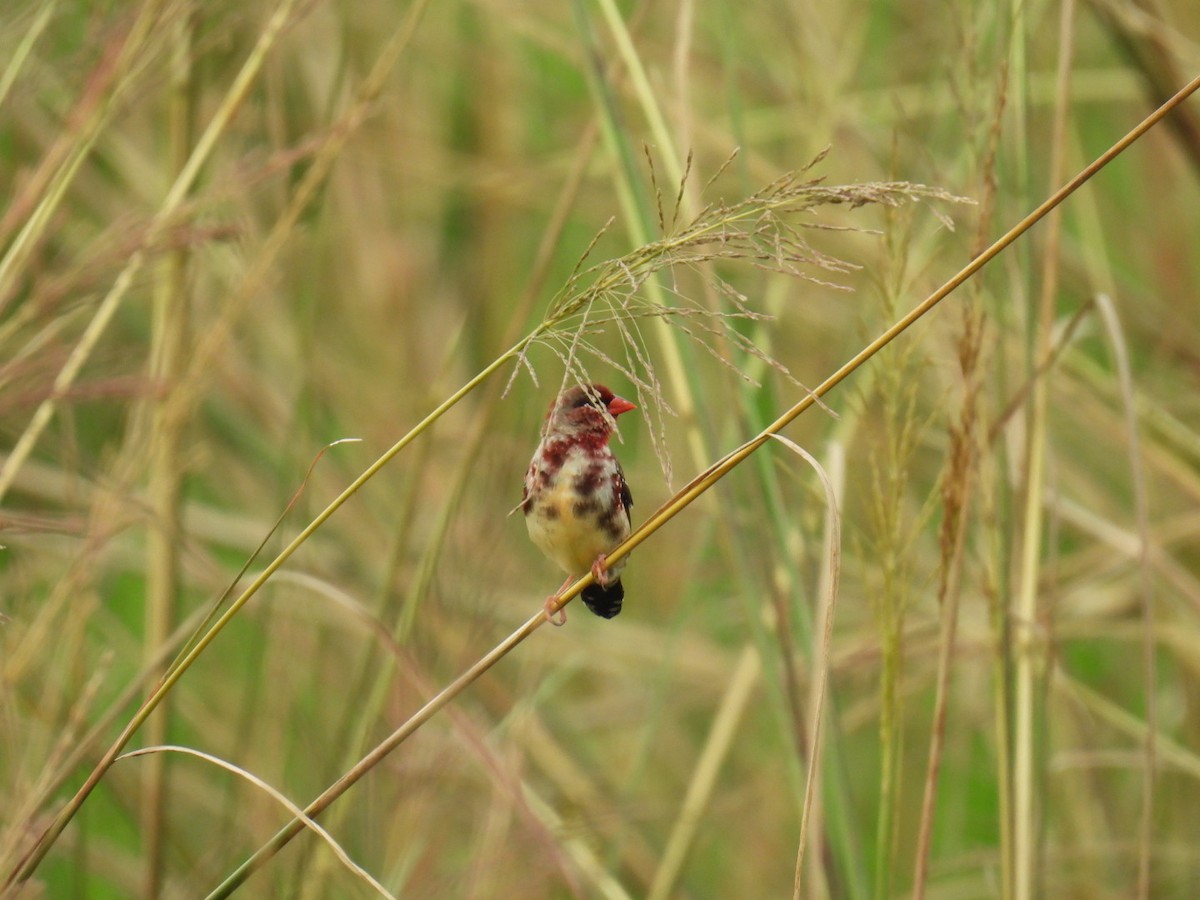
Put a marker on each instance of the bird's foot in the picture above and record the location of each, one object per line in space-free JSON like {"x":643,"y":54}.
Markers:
{"x":600,"y":571}
{"x":555,"y":614}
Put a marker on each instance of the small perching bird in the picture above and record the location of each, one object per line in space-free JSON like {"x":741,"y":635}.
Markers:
{"x":576,"y":501}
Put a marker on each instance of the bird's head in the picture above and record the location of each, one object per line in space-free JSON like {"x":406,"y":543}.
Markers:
{"x":586,"y":408}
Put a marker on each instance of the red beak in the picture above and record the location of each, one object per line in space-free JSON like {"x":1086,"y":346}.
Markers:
{"x":618,"y":405}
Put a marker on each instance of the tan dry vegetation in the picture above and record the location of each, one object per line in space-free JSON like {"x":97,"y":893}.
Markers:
{"x":235,"y":234}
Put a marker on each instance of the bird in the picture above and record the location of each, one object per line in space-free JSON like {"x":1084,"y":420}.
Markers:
{"x":576,"y":500}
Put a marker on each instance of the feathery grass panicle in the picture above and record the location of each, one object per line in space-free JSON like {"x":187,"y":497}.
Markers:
{"x":765,"y":230}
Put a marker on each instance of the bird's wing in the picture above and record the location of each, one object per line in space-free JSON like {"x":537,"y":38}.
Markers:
{"x":623,"y":490}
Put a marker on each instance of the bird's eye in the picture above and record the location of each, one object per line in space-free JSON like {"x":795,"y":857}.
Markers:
{"x":597,"y":398}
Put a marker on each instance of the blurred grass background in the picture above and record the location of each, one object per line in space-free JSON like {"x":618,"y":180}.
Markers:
{"x":385,"y":196}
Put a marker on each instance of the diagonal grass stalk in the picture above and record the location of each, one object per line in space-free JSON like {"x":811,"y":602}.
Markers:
{"x":177,"y":670}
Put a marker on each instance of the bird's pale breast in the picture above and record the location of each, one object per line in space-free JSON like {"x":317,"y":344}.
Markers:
{"x":576,"y":513}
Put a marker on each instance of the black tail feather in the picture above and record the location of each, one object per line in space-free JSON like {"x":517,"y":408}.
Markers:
{"x":604,"y":601}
